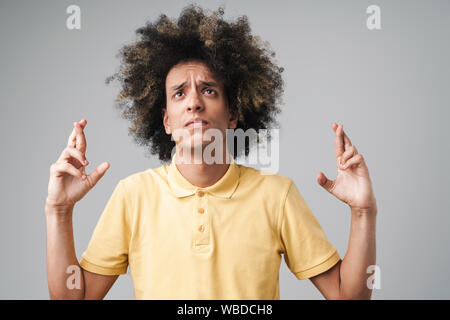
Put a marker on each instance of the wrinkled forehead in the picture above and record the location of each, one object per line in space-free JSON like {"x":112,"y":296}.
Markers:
{"x":185,"y":71}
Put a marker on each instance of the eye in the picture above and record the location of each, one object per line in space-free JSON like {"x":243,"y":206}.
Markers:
{"x":176,"y":94}
{"x":210,"y":90}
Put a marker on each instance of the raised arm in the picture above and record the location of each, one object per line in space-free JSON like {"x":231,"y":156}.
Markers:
{"x":348,"y":278}
{"x":69,"y":183}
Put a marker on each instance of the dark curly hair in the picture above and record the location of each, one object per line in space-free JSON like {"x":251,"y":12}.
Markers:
{"x":252,"y":82}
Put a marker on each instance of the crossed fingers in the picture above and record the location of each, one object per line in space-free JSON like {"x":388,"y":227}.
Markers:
{"x":76,"y":147}
{"x":342,"y":145}
{"x":77,"y":138}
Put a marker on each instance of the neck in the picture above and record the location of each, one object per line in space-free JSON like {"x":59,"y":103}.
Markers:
{"x":202,"y":174}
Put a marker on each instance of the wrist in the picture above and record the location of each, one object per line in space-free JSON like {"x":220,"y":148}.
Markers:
{"x":364,"y":212}
{"x":52,"y":208}
{"x":370,"y":209}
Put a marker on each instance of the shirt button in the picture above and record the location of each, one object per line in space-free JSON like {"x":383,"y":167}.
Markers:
{"x":201,"y":228}
{"x":200,"y":193}
{"x":201,"y":210}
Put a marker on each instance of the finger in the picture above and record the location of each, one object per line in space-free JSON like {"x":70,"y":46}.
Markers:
{"x":356,"y":160}
{"x":326,"y":183}
{"x":350,"y":152}
{"x":338,"y":141}
{"x":347,"y":142}
{"x":344,"y":137}
{"x":59,"y":168}
{"x":72,"y":138}
{"x":80,"y":138}
{"x":98,"y":173}
{"x":71,"y":152}
{"x":83,"y":122}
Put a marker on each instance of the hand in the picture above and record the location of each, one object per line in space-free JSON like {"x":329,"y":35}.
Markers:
{"x":352,"y":185}
{"x":68,"y":181}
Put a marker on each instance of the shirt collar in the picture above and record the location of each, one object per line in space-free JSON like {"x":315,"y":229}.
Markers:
{"x":223,"y":188}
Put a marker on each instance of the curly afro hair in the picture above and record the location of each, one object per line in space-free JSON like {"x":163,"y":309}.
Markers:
{"x":252,"y":81}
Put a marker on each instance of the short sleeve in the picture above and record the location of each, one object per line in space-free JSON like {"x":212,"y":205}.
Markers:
{"x":307,"y":251}
{"x":107,"y":252}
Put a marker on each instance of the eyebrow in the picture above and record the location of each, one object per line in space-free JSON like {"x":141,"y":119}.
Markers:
{"x":207,"y":83}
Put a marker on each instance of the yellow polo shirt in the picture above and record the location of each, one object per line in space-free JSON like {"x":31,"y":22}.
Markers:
{"x":220,"y":242}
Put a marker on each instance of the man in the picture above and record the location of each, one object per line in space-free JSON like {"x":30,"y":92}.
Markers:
{"x":205,"y":230}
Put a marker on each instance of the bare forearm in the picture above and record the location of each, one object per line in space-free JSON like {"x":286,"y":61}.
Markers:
{"x":61,"y":254}
{"x":361,"y":253}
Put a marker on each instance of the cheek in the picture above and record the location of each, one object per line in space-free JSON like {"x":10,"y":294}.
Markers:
{"x":173,"y":117}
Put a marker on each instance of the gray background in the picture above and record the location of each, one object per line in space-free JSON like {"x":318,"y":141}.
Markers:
{"x":390,"y":89}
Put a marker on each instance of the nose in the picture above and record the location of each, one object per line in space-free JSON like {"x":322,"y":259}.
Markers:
{"x":194,"y":103}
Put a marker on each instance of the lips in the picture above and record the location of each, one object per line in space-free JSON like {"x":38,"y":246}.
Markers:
{"x":196,"y":123}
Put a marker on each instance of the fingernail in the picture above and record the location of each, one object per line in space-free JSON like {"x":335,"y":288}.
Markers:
{"x":83,"y":177}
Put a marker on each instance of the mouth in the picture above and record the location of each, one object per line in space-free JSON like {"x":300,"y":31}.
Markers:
{"x":196,"y":123}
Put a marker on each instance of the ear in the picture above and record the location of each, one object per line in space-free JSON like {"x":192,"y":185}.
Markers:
{"x":233,"y":119}
{"x":166,"y":121}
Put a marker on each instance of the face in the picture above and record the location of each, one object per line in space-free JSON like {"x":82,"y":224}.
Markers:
{"x":192,"y":92}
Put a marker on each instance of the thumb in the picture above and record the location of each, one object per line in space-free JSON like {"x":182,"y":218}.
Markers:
{"x":326,"y":183}
{"x":99,"y":172}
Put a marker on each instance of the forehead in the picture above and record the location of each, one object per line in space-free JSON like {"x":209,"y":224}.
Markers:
{"x":185,"y":70}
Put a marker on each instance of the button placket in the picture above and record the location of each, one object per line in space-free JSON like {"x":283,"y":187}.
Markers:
{"x":201,"y":233}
